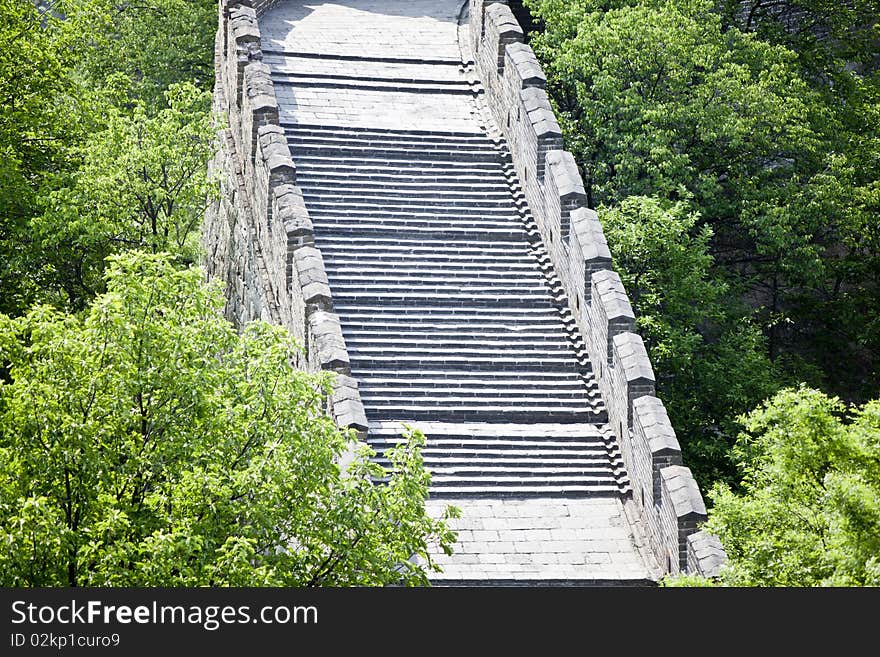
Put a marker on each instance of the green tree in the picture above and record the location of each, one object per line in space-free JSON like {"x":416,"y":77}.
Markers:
{"x":710,"y":359}
{"x":809,"y":513}
{"x":36,"y":98}
{"x":759,"y":120}
{"x":153,"y":43}
{"x":147,"y":443}
{"x":142,"y":184}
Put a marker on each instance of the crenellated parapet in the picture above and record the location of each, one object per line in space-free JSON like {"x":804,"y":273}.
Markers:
{"x":258,"y":236}
{"x":665,"y":495}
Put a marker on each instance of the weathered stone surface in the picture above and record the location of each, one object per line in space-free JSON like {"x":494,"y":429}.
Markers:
{"x":526,"y":66}
{"x":631,"y":355}
{"x":683,"y":491}
{"x":587,"y":230}
{"x":706,"y":555}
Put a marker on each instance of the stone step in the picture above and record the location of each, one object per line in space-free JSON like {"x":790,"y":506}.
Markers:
{"x":410,"y":340}
{"x":367,"y":361}
{"x":465,"y":376}
{"x":528,"y":476}
{"x":591,"y":470}
{"x":572,"y":389}
{"x":382,"y":193}
{"x":358,"y":154}
{"x":398,"y":166}
{"x":378,"y":336}
{"x":434,"y":397}
{"x":344,"y":57}
{"x":351,"y":227}
{"x":385,"y":133}
{"x":321,"y":175}
{"x":455,"y":288}
{"x":482,"y":348}
{"x":453,"y":251}
{"x":354,"y":150}
{"x":413,"y":263}
{"x":392,"y":384}
{"x":434,"y":206}
{"x":372,"y":83}
{"x":453,"y":490}
{"x":501,"y":413}
{"x":381,"y":141}
{"x":446,"y":299}
{"x":355,"y":309}
{"x":465,"y":452}
{"x":354,"y":271}
{"x":359,"y":70}
{"x":390,"y":189}
{"x":442,"y":216}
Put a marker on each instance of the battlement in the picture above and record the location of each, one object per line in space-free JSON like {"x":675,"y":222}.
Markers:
{"x":259,"y":236}
{"x":666,"y":496}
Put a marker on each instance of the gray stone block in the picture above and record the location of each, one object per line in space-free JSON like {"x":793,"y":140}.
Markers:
{"x":325,"y":334}
{"x":650,"y":414}
{"x":609,"y":292}
{"x":312,"y":277}
{"x":526,"y":66}
{"x":684,"y":494}
{"x":587,"y":231}
{"x":706,"y":555}
{"x":534,"y":99}
{"x":566,"y":177}
{"x":504,"y":22}
{"x":631,"y":355}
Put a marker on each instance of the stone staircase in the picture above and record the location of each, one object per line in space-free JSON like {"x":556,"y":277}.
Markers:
{"x":448,"y":313}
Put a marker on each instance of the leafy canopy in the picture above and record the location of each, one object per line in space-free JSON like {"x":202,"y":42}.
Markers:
{"x":147,"y":443}
{"x":809,"y":513}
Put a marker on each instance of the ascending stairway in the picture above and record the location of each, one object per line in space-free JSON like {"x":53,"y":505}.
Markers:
{"x":447,"y":316}
{"x":452,"y":315}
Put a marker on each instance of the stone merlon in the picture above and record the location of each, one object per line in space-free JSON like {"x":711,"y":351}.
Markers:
{"x":631,"y":355}
{"x":243,"y":21}
{"x":276,"y":155}
{"x":650,"y":414}
{"x":326,"y":335}
{"x":570,"y":187}
{"x":348,"y":409}
{"x":609,"y":292}
{"x":706,"y":555}
{"x":290,"y":209}
{"x":587,"y":230}
{"x":312,"y":277}
{"x":687,"y":503}
{"x":505,"y":23}
{"x":526,"y":66}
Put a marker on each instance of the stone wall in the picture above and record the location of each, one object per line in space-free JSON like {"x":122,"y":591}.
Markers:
{"x":258,"y":236}
{"x":665,"y":494}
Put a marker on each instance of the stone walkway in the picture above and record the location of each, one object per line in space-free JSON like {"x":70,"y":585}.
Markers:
{"x":451,"y":323}
{"x":385,"y":39}
{"x":529,"y":542}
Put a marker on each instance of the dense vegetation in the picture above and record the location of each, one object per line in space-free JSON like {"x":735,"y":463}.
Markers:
{"x":732,"y":148}
{"x":733,"y":151}
{"x":142,"y":440}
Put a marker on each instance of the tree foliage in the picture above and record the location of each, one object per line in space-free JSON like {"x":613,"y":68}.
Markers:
{"x":809,"y":513}
{"x":142,"y":184}
{"x":695,"y":342}
{"x":733,"y":151}
{"x":147,"y":443}
{"x":104,"y":134}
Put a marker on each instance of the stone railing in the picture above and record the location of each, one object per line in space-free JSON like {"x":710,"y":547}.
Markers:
{"x":665,"y":494}
{"x":258,"y":236}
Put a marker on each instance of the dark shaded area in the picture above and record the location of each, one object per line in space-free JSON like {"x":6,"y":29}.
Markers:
{"x":528,"y":22}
